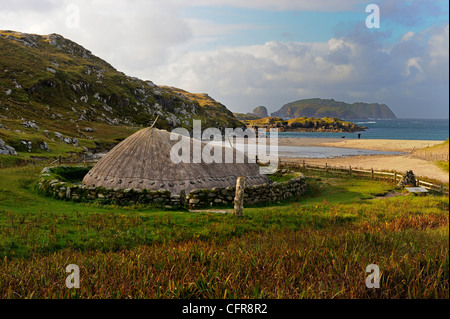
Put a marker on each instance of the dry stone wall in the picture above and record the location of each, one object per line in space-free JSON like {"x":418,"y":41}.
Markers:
{"x":50,"y":185}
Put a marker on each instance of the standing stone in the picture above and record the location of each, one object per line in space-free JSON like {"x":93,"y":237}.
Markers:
{"x":239,"y":198}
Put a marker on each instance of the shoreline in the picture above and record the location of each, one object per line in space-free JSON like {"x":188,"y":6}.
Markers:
{"x":402,"y":146}
{"x":401,"y":163}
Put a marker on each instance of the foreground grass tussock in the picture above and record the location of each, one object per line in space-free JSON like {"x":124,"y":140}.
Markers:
{"x":317,"y":247}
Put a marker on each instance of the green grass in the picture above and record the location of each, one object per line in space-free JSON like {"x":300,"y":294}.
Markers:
{"x":70,"y":174}
{"x":443,"y":165}
{"x":316,"y":247}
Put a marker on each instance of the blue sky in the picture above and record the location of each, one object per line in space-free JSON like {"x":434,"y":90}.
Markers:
{"x":259,"y":26}
{"x":263,"y":52}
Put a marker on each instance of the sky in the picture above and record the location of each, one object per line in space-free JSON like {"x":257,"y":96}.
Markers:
{"x":263,"y":52}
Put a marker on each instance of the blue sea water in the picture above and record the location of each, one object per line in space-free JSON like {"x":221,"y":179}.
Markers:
{"x":400,"y":129}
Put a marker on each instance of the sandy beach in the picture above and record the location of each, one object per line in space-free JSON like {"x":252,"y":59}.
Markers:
{"x":378,"y":145}
{"x":401,"y":163}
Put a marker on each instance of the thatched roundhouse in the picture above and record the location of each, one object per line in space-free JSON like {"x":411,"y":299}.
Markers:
{"x":142,"y":161}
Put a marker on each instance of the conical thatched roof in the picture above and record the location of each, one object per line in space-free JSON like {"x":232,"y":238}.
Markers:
{"x":142,"y":161}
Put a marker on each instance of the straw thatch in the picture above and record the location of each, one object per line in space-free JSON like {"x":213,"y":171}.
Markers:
{"x":142,"y":161}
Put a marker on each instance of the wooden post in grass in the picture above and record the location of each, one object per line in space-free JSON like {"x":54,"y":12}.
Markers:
{"x":239,"y":198}
{"x":326,"y":167}
{"x":60,"y":159}
{"x":304,"y":164}
{"x":350,"y":170}
{"x":372,"y":172}
{"x":442,"y":189}
{"x":395,"y":176}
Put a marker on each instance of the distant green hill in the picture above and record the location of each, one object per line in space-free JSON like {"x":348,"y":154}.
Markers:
{"x":330,"y":108}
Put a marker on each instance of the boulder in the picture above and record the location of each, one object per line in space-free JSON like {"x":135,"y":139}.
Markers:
{"x":409,"y":179}
{"x":44,"y":147}
{"x":28,"y":145}
{"x":30,"y":124}
{"x":59,"y":136}
{"x":6,"y":149}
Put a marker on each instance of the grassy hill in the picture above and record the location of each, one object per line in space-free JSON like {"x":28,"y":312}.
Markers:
{"x":331,"y":108}
{"x":51,"y":87}
{"x":438,"y":154}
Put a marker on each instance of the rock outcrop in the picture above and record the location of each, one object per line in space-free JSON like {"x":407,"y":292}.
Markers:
{"x":409,"y":179}
{"x":6,"y":149}
{"x":261,"y":111}
{"x":306,"y":125}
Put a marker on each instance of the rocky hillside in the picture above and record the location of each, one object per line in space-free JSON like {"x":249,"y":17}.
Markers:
{"x":306,"y":124}
{"x":215,"y":114}
{"x":330,"y":108}
{"x":55,"y":91}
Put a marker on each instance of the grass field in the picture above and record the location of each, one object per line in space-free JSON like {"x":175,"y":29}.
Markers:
{"x":315,"y":247}
{"x":443,"y":165}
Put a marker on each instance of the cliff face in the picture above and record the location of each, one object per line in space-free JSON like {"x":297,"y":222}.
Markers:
{"x":331,"y":108}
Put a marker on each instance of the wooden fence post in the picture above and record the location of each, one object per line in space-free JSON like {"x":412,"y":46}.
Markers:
{"x":60,"y":159}
{"x":372,"y":172}
{"x":350,"y":170}
{"x":395,"y":177}
{"x":304,"y":164}
{"x":239,"y":198}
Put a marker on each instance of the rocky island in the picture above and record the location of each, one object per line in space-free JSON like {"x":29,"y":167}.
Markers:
{"x":306,"y":124}
{"x":330,"y":108}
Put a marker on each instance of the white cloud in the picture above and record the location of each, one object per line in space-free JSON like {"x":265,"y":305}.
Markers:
{"x":413,"y":66}
{"x":134,"y":36}
{"x":152,"y":40}
{"x":348,"y":68}
{"x":408,"y":36}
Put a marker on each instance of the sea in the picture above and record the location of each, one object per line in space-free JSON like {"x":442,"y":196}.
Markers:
{"x":399,"y":129}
